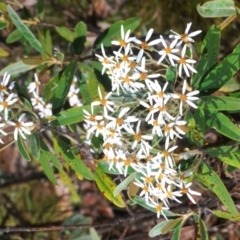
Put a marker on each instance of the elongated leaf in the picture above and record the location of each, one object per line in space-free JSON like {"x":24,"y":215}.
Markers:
{"x":208,"y":177}
{"x":72,"y":159}
{"x":107,"y":186}
{"x":65,"y":33}
{"x":48,"y":43}
{"x":227,"y":154}
{"x":14,"y":36}
{"x":50,"y":87}
{"x":114,"y":32}
{"x":17,"y":68}
{"x":47,"y":168}
{"x":89,"y":83}
{"x":72,"y":115}
{"x":22,"y":149}
{"x":219,"y":103}
{"x":199,"y":129}
{"x":164,"y":227}
{"x":222,"y":124}
{"x":34,"y":145}
{"x":124,"y":183}
{"x":203,"y":230}
{"x":216,"y":8}
{"x":64,"y":176}
{"x":25,"y":31}
{"x":222,"y":72}
{"x":177,"y":232}
{"x":209,"y":53}
{"x":46,"y":153}
{"x":61,"y":91}
{"x":227,"y":215}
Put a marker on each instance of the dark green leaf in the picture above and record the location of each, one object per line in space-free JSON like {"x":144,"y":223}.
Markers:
{"x":62,"y":89}
{"x":72,"y":159}
{"x":46,"y":153}
{"x":47,"y":168}
{"x":72,"y":115}
{"x":209,"y":53}
{"x":50,"y":87}
{"x":22,"y":149}
{"x":227,"y":154}
{"x":208,"y":177}
{"x":2,"y":25}
{"x":222,"y":124}
{"x":89,"y":83}
{"x":219,"y":103}
{"x":25,"y":31}
{"x":222,"y":72}
{"x":34,"y":145}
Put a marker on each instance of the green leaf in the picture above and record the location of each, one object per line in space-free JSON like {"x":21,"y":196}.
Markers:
{"x":102,"y":78}
{"x":124,"y":183}
{"x":222,"y":124}
{"x":212,"y":9}
{"x":64,"y":176}
{"x":208,"y":177}
{"x":107,"y":186}
{"x":47,"y":154}
{"x":2,"y":25}
{"x":22,"y":149}
{"x":47,"y":168}
{"x":17,"y":68}
{"x":14,"y":36}
{"x":89,"y":83}
{"x":72,"y":159}
{"x":209,"y":53}
{"x":177,"y":232}
{"x":25,"y":31}
{"x":227,"y":215}
{"x":171,"y":74}
{"x":62,"y":89}
{"x":114,"y":32}
{"x":199,"y":129}
{"x":164,"y":227}
{"x":50,"y":87}
{"x":48,"y":43}
{"x":221,"y":103}
{"x":227,"y":154}
{"x":222,"y":72}
{"x":72,"y":115}
{"x":81,"y":30}
{"x":65,"y":33}
{"x":34,"y":145}
{"x":203,"y":230}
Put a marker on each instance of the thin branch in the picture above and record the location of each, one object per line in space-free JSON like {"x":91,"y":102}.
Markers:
{"x":72,"y":227}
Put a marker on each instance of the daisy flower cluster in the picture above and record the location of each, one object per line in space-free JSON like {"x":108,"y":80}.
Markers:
{"x":8,"y":102}
{"x":143,"y":115}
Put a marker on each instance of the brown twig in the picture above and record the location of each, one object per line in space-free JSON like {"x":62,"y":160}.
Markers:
{"x":72,"y":227}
